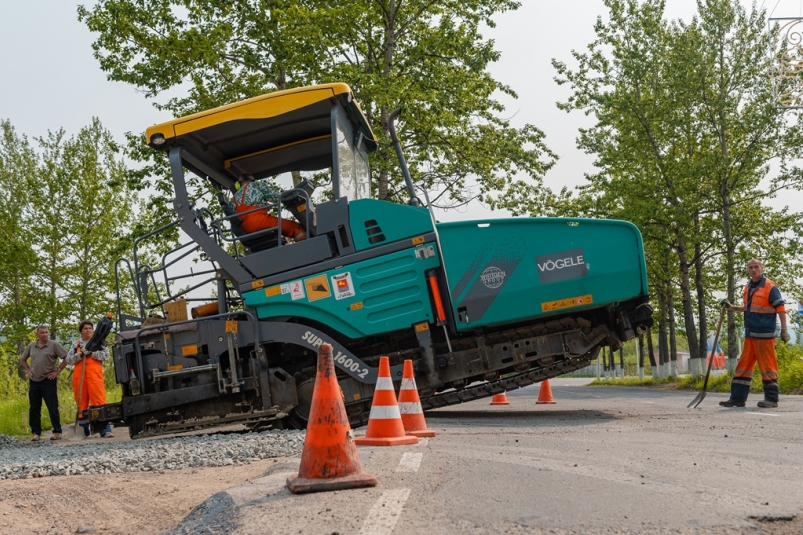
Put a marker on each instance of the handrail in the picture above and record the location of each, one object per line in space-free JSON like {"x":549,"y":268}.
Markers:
{"x":117,"y":289}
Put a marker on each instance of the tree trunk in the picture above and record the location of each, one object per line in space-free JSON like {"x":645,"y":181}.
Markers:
{"x":640,"y":364}
{"x":730,"y":266}
{"x":390,"y":46}
{"x":651,"y":351}
{"x":673,"y":346}
{"x":688,"y":308}
{"x":703,"y":321}
{"x":663,"y":348}
{"x":18,"y":304}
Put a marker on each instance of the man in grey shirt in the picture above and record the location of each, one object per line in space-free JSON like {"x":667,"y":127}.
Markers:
{"x":43,"y":374}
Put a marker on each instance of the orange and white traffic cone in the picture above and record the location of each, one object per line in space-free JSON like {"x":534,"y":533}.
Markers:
{"x":329,"y":460}
{"x":412,"y":414}
{"x":500,"y":399}
{"x":385,"y":427}
{"x":545,"y":394}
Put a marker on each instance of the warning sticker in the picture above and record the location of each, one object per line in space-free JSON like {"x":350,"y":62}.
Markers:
{"x":343,"y":286}
{"x":285,"y":288}
{"x":273,"y":290}
{"x":296,"y":290}
{"x":567,"y":303}
{"x":317,"y":288}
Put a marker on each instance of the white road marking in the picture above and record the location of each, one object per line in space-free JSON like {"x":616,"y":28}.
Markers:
{"x":761,"y":413}
{"x":423,"y":442}
{"x":410,"y":462}
{"x":385,"y":513}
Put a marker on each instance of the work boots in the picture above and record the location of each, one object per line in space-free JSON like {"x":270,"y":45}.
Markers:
{"x":765,"y":404}
{"x":732,"y":403}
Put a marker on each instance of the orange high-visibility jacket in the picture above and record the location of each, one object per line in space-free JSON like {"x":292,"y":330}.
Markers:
{"x":763,"y":303}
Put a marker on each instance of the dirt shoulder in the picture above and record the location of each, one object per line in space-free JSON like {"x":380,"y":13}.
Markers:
{"x":127,"y":504}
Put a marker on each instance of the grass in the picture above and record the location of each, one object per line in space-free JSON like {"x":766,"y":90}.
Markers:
{"x":14,"y":402}
{"x":790,"y":376}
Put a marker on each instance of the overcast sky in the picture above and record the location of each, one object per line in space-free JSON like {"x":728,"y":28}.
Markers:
{"x":50,"y":79}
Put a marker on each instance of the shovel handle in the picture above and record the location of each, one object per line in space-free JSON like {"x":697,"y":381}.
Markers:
{"x":699,"y":399}
{"x":80,"y":395}
{"x":714,"y":347}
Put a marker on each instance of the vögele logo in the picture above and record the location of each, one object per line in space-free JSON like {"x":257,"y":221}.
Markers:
{"x":493,"y":277}
{"x":562,"y":265}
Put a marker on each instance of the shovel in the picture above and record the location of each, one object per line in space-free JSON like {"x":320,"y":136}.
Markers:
{"x":701,"y":396}
{"x":72,"y":431}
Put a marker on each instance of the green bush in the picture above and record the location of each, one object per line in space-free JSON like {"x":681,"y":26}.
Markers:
{"x":790,"y":369}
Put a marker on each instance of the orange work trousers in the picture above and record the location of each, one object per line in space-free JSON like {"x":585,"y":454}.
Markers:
{"x":261,"y":220}
{"x":93,"y":391}
{"x":761,"y":352}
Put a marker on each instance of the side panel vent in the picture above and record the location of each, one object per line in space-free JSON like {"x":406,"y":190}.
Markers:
{"x":374,"y":232}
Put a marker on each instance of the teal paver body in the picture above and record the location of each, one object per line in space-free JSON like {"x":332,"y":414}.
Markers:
{"x":376,"y":296}
{"x":508,"y":270}
{"x":499,"y":271}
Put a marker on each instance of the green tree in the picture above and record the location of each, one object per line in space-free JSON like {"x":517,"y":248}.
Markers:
{"x":87,"y":214}
{"x":429,"y":58}
{"x":686,"y":130}
{"x":19,"y":295}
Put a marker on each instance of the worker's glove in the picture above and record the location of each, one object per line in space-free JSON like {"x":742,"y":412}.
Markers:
{"x":725,"y":303}
{"x":85,"y":353}
{"x":785,"y":335}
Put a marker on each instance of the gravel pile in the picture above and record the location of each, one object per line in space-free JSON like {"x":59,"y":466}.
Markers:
{"x":25,"y":460}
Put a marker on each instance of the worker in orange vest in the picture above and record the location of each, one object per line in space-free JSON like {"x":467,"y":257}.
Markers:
{"x":87,"y":383}
{"x":255,"y":194}
{"x":762,"y":305}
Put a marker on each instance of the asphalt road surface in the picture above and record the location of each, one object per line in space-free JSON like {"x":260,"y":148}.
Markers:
{"x":601,"y":460}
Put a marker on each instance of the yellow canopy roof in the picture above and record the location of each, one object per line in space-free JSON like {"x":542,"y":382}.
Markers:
{"x":282,"y":131}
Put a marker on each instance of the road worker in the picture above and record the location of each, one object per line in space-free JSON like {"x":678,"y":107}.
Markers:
{"x":87,"y":383}
{"x":254,"y":194}
{"x":43,"y":373}
{"x":762,"y":305}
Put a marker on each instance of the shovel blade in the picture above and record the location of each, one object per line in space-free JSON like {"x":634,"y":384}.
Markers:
{"x":73,"y":435}
{"x":696,"y":401}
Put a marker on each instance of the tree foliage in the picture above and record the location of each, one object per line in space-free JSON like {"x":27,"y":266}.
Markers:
{"x":429,"y":58}
{"x":66,"y":220}
{"x":685,"y":137}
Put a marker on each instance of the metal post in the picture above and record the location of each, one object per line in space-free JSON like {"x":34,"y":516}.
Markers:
{"x":638,"y":360}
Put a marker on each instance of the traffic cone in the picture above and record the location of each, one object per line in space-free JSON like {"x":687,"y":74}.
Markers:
{"x":385,"y":426}
{"x":500,"y":399}
{"x":329,"y":460}
{"x":412,"y":414}
{"x":545,"y":394}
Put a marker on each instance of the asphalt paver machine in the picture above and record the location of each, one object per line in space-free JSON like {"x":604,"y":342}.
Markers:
{"x":479,"y":306}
